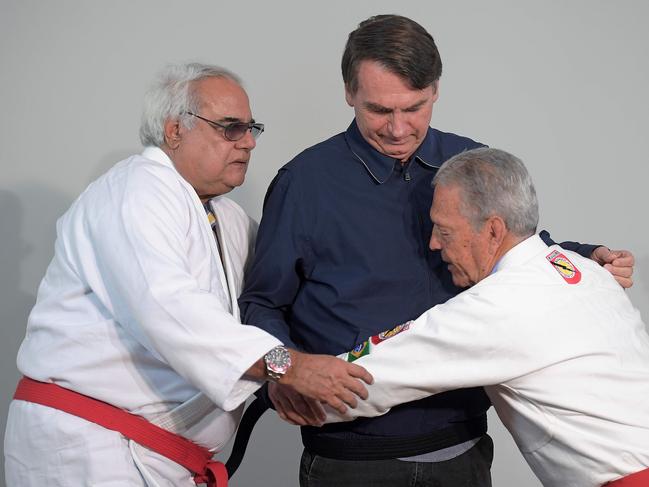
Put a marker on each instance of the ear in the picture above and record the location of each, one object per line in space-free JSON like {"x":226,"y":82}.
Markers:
{"x":349,"y":98}
{"x":172,"y":133}
{"x":497,"y":232}
{"x":435,"y":91}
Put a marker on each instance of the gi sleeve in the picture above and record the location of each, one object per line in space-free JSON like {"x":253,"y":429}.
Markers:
{"x":478,"y":338}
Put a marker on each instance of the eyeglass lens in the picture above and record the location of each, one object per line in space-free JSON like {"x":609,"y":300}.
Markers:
{"x":236,"y":131}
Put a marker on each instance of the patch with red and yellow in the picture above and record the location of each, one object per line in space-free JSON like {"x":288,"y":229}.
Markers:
{"x":384,"y":335}
{"x":564,"y":267}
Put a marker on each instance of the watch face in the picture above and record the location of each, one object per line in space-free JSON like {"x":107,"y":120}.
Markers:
{"x":278,"y":360}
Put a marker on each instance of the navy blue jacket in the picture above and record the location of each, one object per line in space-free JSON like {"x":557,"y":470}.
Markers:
{"x":342,"y":254}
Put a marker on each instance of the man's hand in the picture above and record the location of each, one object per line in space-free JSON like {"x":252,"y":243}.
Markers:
{"x":295,"y":408}
{"x":617,"y":262}
{"x":327,"y":379}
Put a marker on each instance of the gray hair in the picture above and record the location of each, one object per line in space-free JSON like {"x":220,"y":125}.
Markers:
{"x":172,"y":95}
{"x":493,"y":183}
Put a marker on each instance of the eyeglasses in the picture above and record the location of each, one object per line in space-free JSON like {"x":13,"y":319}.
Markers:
{"x":236,"y":130}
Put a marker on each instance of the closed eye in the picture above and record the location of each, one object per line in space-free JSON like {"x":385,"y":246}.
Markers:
{"x":442,"y":232}
{"x":416,"y":107}
{"x":378,"y":109}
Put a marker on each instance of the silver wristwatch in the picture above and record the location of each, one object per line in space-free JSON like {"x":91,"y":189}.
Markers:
{"x":277,"y":361}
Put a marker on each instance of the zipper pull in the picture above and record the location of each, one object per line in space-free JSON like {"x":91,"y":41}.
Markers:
{"x":406,"y":175}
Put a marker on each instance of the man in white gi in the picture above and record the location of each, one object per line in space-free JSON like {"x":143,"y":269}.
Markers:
{"x":560,"y":349}
{"x":138,"y":308}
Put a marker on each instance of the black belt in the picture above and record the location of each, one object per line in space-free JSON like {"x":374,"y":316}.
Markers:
{"x":253,"y":412}
{"x":385,"y":448}
{"x":374,"y":448}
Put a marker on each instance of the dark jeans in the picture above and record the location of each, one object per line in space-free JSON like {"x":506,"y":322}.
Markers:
{"x":471,"y":469}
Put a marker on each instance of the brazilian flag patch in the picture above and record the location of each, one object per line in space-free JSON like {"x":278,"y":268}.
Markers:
{"x":359,"y":351}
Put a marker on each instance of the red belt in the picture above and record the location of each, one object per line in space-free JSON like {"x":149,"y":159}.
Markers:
{"x":193,"y":457}
{"x":638,"y":479}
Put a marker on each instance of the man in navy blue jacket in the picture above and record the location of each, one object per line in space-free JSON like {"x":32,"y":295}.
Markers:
{"x":342,"y":254}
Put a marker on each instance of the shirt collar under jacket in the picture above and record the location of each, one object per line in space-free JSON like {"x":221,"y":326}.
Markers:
{"x":378,"y":165}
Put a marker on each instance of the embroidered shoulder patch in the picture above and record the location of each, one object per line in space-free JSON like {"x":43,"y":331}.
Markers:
{"x":384,"y":335}
{"x":564,"y":267}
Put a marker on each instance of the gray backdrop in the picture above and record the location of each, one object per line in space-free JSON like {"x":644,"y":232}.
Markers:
{"x":562,"y":85}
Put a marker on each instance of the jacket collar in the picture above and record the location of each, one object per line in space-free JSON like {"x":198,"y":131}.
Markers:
{"x":157,"y":154}
{"x":521,"y":253}
{"x":379,"y":166}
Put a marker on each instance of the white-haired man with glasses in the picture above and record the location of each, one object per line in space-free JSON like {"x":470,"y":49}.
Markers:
{"x":135,"y":363}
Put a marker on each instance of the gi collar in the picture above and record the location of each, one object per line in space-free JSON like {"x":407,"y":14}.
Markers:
{"x":380,"y":166}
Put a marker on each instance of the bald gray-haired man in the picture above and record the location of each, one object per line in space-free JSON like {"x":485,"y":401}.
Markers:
{"x":560,"y":349}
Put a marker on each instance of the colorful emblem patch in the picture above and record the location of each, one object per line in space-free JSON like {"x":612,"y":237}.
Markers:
{"x":564,"y":267}
{"x":359,"y":351}
{"x":384,"y":335}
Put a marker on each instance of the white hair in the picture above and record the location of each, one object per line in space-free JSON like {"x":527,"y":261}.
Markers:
{"x":171,"y":96}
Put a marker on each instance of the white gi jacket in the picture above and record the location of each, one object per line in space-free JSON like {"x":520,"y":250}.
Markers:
{"x":136,"y":310}
{"x":565,"y":363}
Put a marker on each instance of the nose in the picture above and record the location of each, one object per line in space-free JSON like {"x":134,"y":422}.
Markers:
{"x":247,"y":142}
{"x":397,"y":125}
{"x":434,"y":243}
